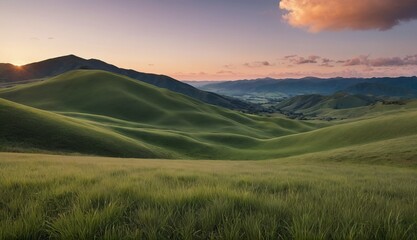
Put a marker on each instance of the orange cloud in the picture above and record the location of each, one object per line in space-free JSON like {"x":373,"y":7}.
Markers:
{"x":295,"y":59}
{"x":333,"y":15}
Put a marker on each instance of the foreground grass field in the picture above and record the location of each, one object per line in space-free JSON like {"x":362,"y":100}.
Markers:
{"x":306,"y":197}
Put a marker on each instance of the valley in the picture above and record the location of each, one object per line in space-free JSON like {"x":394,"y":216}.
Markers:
{"x":95,"y":154}
{"x":99,"y":108}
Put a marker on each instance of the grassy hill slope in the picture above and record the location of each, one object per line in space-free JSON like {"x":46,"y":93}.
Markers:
{"x":348,"y":134}
{"x":116,"y":96}
{"x":343,"y":106}
{"x":313,"y":102}
{"x":119,"y":116}
{"x":55,"y":66}
{"x":23,"y":127}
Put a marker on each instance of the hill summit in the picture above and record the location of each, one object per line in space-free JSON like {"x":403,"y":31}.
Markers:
{"x":55,"y":66}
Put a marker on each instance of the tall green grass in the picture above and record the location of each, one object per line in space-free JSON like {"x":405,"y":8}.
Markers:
{"x":62,"y":197}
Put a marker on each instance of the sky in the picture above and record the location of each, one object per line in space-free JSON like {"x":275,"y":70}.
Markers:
{"x":218,"y":39}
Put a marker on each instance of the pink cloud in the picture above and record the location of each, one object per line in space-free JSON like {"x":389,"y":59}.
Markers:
{"x":382,"y":62}
{"x":333,"y":15}
{"x":295,"y":59}
{"x":223,"y":72}
{"x":258,"y":64}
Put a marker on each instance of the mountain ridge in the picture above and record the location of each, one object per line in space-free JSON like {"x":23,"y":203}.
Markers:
{"x":383,"y":86}
{"x":55,"y":66}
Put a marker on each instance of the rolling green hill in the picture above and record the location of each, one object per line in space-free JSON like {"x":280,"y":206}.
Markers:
{"x":341,"y":106}
{"x":10,"y":74}
{"x":86,"y":92}
{"x":145,"y":114}
{"x":318,"y":106}
{"x":101,"y":113}
{"x":23,"y":127}
{"x":309,"y":103}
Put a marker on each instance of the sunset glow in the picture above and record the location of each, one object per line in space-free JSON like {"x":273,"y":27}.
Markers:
{"x":214,"y":40}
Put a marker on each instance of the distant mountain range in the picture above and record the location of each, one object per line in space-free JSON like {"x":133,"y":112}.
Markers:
{"x":391,"y":87}
{"x":55,"y":66}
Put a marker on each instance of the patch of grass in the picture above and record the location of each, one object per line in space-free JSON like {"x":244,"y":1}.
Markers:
{"x":73,"y":197}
